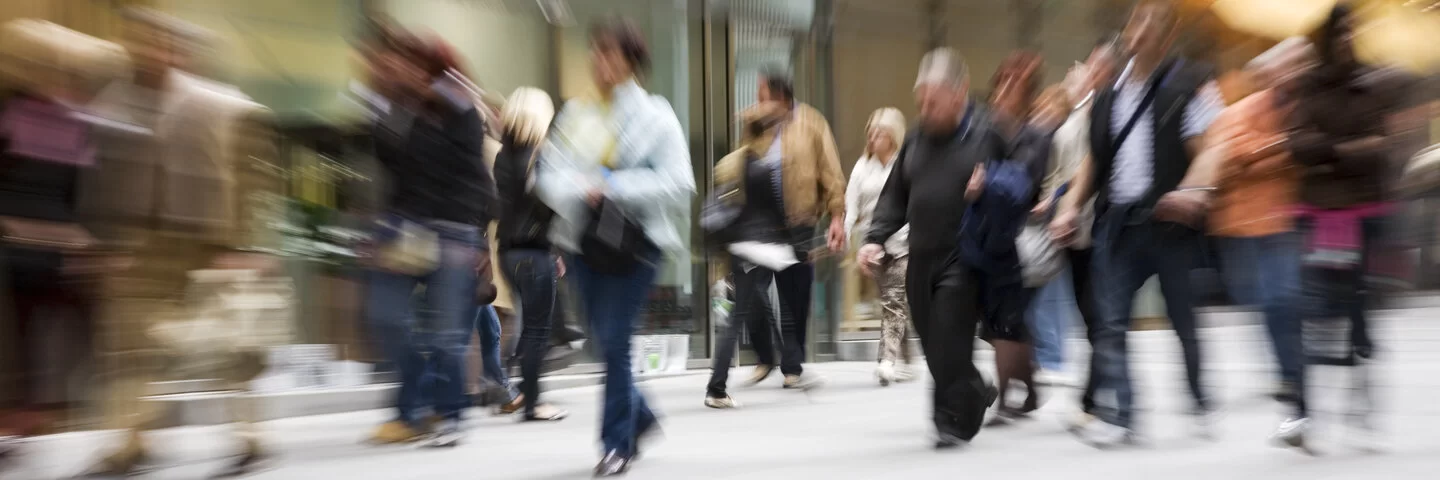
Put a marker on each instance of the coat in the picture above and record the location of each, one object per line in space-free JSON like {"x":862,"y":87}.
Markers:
{"x":812,"y":183}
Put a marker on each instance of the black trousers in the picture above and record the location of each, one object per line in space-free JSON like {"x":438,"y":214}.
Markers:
{"x":1085,"y":301}
{"x":944,"y":308}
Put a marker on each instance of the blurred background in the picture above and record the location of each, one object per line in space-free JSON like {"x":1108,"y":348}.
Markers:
{"x":849,"y":57}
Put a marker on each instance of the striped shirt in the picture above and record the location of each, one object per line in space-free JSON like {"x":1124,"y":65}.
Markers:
{"x":1135,"y":161}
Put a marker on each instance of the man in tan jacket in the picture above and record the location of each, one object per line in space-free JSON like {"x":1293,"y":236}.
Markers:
{"x":809,"y":184}
{"x":185,"y":177}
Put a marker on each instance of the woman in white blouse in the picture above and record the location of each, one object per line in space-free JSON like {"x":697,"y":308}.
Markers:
{"x":885,"y":132}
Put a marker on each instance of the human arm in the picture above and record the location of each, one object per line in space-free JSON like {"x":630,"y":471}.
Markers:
{"x":852,"y":197}
{"x":892,"y":208}
{"x":832,"y":184}
{"x":667,"y":179}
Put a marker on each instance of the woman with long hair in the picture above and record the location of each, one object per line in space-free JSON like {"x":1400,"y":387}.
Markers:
{"x":430,"y":146}
{"x":616,"y":171}
{"x":885,"y":133}
{"x":1338,"y":137}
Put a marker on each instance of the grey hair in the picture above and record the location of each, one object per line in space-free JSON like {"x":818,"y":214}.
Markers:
{"x":943,"y":66}
{"x":1293,"y":49}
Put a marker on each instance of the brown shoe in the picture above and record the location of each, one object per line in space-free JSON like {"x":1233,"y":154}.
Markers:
{"x":509,"y":408}
{"x":762,"y":371}
{"x":394,"y":432}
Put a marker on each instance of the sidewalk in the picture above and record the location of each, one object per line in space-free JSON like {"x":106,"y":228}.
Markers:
{"x":854,"y":429}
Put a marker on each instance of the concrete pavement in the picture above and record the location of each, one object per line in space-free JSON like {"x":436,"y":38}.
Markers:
{"x":854,"y":429}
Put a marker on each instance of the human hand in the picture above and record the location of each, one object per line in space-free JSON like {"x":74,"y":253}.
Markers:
{"x":869,"y":257}
{"x":594,"y":196}
{"x":835,"y":238}
{"x":1185,"y":207}
{"x":1064,"y":226}
{"x":559,"y":267}
{"x":977,"y":183}
{"x":1041,"y":209}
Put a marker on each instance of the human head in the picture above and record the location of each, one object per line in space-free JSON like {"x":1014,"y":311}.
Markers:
{"x":1283,"y":64}
{"x":1015,"y":85}
{"x":1103,"y":63}
{"x":776,"y":86}
{"x":156,"y":42}
{"x":1052,"y":107}
{"x":942,"y":89}
{"x":1148,"y":33}
{"x":617,"y":53}
{"x":884,"y":132}
{"x":1335,"y":39}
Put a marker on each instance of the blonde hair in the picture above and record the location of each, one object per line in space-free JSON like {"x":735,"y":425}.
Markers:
{"x":527,"y":115}
{"x":889,"y":120}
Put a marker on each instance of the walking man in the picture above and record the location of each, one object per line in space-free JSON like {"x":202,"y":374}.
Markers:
{"x":1151,"y":184}
{"x":955,"y":138}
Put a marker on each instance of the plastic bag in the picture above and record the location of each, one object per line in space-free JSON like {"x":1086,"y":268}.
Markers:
{"x":722,"y":302}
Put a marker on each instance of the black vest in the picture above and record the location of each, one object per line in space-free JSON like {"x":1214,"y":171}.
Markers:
{"x":1178,"y":82}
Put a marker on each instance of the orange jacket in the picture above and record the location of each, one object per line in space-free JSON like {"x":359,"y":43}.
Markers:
{"x":1257,"y":182}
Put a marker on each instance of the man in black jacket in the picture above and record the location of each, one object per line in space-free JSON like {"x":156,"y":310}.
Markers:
{"x":1145,"y":131}
{"x":955,"y":138}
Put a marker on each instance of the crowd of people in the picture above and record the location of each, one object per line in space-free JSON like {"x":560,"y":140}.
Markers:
{"x":975,"y":222}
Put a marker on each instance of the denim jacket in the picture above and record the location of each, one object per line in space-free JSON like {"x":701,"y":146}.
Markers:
{"x":651,"y":176}
{"x":993,"y":222}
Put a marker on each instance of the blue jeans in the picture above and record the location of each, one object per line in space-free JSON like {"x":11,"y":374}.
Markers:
{"x":493,"y":372}
{"x":612,"y":303}
{"x":1125,"y":256}
{"x":428,"y":341}
{"x":531,"y":274}
{"x":1050,"y":320}
{"x":1265,"y":272}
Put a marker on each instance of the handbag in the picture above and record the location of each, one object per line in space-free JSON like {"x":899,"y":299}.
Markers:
{"x":227,"y":314}
{"x":406,"y":247}
{"x":1422,"y":173}
{"x":612,"y":242}
{"x":1041,"y":259}
{"x":720,"y":214}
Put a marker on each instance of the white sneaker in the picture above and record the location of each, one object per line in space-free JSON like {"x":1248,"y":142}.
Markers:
{"x":1077,"y":422}
{"x":1291,"y":433}
{"x":1103,"y":435}
{"x":1207,"y":424}
{"x":725,"y":402}
{"x":885,"y":372}
{"x":904,"y":373}
{"x":1052,"y":378}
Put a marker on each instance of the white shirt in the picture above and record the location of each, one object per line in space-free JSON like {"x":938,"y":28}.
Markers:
{"x":862,"y":194}
{"x":1071,"y":145}
{"x":1134,"y":168}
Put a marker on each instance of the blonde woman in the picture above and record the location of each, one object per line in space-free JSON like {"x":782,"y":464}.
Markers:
{"x":885,"y":132}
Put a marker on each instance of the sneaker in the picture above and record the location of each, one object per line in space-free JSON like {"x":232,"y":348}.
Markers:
{"x":762,"y":371}
{"x":885,"y":372}
{"x":1052,"y":378}
{"x":1207,"y":423}
{"x":1291,"y":433}
{"x":395,"y":432}
{"x":721,"y":402}
{"x":448,"y":435}
{"x":804,"y":382}
{"x":1103,"y":435}
{"x":1078,"y":422}
{"x":904,"y":373}
{"x":546,"y":413}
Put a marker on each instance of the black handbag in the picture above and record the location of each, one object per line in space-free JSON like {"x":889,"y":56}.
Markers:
{"x":719,"y":215}
{"x":613,"y":243}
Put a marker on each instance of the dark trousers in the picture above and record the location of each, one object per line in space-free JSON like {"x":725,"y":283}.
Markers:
{"x":793,"y":286}
{"x":944,"y":308}
{"x":1085,"y":300}
{"x":531,"y":274}
{"x":1125,"y":256}
{"x":612,"y":302}
{"x":753,"y":313}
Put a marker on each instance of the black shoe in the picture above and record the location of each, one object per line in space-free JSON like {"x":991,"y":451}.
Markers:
{"x":612,"y":465}
{"x":949,"y":441}
{"x":246,"y":464}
